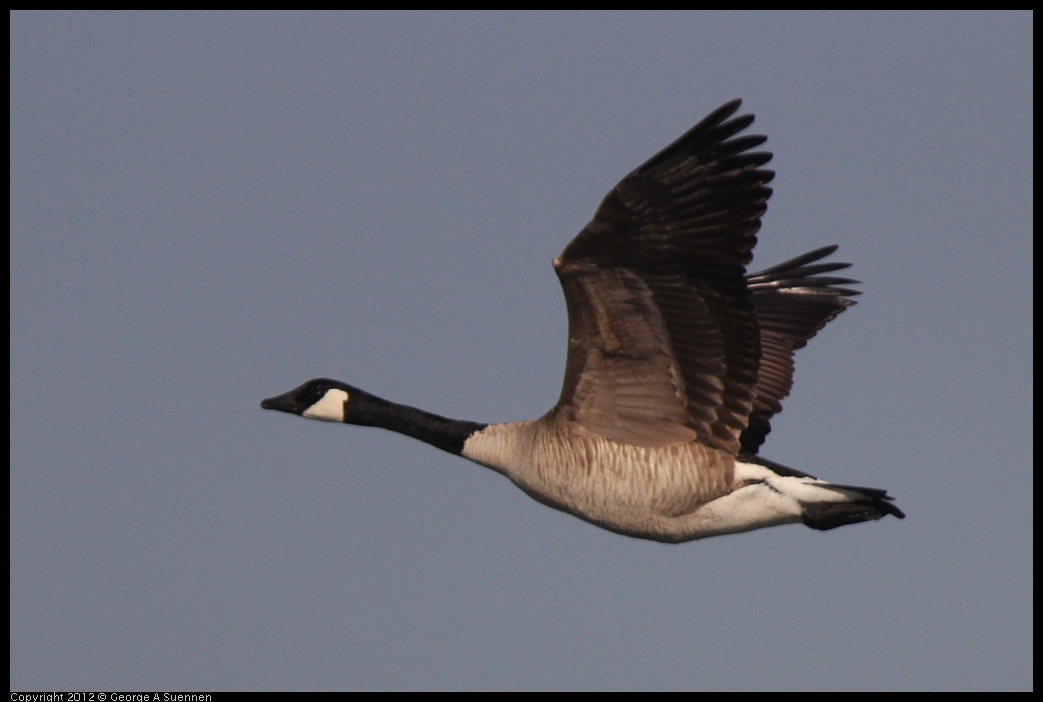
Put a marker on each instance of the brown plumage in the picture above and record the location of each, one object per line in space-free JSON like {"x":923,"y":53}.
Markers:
{"x":677,"y":360}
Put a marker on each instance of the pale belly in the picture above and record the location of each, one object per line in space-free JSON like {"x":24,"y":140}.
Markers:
{"x":650,"y":493}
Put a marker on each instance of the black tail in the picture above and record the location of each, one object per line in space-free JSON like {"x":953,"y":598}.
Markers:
{"x":868,"y":504}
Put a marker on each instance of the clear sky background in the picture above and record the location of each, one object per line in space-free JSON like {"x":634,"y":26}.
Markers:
{"x":209,"y":209}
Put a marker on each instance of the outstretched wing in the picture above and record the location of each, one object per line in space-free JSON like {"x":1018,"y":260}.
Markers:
{"x":793,"y":300}
{"x":664,"y":343}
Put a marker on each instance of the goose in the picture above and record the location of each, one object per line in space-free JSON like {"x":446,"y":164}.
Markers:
{"x":677,"y":361}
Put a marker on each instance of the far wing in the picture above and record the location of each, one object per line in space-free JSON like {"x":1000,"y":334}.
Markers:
{"x":793,"y":300}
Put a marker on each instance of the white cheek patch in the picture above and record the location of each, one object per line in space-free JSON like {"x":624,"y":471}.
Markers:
{"x":330,"y":408}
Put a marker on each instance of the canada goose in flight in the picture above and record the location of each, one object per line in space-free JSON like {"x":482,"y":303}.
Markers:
{"x":677,"y":361}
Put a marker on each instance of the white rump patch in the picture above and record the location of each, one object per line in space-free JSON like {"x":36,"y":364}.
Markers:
{"x":802,"y":489}
{"x":330,"y":408}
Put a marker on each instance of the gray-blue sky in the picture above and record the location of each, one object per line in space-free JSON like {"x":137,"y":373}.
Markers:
{"x":207,"y":209}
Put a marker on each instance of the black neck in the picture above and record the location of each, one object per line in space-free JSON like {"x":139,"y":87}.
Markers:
{"x":441,"y":432}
